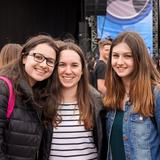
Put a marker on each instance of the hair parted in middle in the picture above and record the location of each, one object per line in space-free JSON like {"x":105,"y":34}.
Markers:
{"x":84,"y":97}
{"x":143,"y":78}
{"x":17,"y":73}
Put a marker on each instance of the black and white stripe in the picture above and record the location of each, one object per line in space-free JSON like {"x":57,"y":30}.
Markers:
{"x":70,"y":139}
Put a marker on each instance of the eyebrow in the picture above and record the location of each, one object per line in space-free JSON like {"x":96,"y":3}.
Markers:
{"x":123,"y":52}
{"x":43,"y":55}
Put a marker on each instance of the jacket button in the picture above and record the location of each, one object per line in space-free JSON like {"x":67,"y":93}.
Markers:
{"x":125,"y":138}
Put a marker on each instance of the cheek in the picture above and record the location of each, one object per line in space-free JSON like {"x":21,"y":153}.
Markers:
{"x":60,"y":71}
{"x":27,"y":67}
{"x":131,"y":64}
{"x":79,"y":73}
{"x":112,"y":62}
{"x":50,"y":71}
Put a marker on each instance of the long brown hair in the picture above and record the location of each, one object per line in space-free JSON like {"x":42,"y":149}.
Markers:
{"x":9,"y":52}
{"x":83,"y":92}
{"x":16,"y":72}
{"x":144,"y":77}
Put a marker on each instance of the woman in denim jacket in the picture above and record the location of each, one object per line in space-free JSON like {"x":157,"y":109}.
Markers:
{"x":132,"y":100}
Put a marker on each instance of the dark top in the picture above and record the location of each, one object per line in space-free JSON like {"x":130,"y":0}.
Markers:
{"x":20,"y":136}
{"x":99,"y":72}
{"x":116,"y":141}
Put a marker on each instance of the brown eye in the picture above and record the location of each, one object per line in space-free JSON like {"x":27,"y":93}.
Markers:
{"x":38,"y":57}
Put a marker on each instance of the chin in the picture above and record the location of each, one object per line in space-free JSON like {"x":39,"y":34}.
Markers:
{"x":40,"y":79}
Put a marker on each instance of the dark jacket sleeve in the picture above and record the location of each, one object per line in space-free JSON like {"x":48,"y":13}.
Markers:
{"x":4,"y":95}
{"x":99,"y":127}
{"x":46,"y":142}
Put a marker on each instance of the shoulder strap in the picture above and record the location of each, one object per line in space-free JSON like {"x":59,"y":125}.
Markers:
{"x":11,"y":100}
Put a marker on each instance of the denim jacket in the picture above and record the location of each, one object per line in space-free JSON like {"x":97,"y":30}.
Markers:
{"x":141,"y":135}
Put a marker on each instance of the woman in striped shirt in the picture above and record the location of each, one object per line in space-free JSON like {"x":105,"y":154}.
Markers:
{"x":74,"y":134}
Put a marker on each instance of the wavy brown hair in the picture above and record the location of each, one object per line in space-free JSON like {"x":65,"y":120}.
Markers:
{"x":16,"y":72}
{"x":84,"y":97}
{"x":144,"y":77}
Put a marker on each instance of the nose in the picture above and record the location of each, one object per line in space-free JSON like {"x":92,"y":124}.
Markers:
{"x":68,"y":70}
{"x":120,"y":60}
{"x":43,"y":64}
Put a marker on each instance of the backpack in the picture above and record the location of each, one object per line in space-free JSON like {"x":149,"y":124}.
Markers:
{"x":11,"y":100}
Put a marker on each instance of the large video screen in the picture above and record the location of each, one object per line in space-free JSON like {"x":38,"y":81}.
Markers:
{"x":127,"y":15}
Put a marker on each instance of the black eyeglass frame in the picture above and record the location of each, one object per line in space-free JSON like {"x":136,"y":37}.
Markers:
{"x":48,"y":60}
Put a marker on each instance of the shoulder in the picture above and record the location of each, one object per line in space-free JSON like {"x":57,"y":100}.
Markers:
{"x":94,"y":92}
{"x":96,"y":97}
{"x":3,"y":88}
{"x":156,"y":91}
{"x":100,"y":63}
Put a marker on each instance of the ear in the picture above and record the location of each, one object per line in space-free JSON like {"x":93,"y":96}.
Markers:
{"x":24,"y":59}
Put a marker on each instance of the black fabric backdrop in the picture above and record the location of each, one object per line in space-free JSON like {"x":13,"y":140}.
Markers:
{"x":21,"y":19}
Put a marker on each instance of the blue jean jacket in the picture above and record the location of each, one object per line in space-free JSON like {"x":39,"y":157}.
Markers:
{"x":141,"y":136}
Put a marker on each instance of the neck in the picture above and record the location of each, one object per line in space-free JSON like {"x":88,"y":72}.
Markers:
{"x":69,"y":95}
{"x":126,"y":84}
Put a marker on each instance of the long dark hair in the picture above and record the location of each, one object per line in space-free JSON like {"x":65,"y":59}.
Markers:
{"x":16,"y":72}
{"x":84,"y":97}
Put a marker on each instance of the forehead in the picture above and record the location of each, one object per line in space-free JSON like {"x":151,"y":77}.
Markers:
{"x":121,"y":47}
{"x":107,"y":46}
{"x":45,"y":50}
{"x":69,"y":56}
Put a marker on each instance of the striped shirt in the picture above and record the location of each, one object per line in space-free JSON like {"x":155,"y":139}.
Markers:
{"x":70,"y":139}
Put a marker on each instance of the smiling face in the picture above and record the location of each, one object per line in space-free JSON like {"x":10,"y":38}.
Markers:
{"x":35,"y":70}
{"x":69,"y":69}
{"x":104,"y":51}
{"x":122,"y":60}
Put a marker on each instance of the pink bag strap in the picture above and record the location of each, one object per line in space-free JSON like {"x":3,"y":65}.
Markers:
{"x":11,"y":100}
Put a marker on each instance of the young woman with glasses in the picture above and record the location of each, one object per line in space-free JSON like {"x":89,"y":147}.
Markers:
{"x":31,"y":76}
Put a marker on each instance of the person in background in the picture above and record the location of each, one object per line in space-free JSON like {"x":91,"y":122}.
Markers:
{"x":100,"y":66}
{"x":76,"y":130}
{"x":9,"y":52}
{"x":59,"y":43}
{"x":90,"y":66}
{"x":132,"y":100}
{"x":31,"y":76}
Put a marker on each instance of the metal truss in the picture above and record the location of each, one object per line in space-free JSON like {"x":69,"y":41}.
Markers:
{"x":92,"y":22}
{"x":155,"y":27}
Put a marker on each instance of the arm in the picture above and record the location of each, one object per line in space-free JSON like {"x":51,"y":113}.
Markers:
{"x":99,"y":131}
{"x":3,"y":118}
{"x":101,"y":86}
{"x":45,"y":146}
{"x":100,"y":74}
{"x":157,"y":108}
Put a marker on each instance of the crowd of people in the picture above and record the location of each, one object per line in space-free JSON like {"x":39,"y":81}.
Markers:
{"x":69,"y":108}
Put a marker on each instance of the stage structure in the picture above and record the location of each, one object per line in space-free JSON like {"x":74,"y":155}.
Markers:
{"x":156,"y":27}
{"x":92,"y":8}
{"x":141,"y":12}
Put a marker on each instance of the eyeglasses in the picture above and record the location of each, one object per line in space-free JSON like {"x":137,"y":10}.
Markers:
{"x":38,"y":57}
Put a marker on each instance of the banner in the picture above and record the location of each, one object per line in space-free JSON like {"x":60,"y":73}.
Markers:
{"x":127,"y":15}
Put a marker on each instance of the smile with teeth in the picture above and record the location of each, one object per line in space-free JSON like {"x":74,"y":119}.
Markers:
{"x":121,"y":68}
{"x":68,"y":78}
{"x":40,"y":71}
